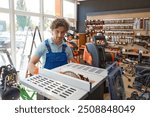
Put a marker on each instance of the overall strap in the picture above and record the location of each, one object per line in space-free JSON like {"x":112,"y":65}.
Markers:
{"x":47,"y":45}
{"x":64,"y":47}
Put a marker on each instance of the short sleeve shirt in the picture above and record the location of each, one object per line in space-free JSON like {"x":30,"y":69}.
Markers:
{"x":41,"y":50}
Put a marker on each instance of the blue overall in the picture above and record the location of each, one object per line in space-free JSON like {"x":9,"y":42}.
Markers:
{"x":56,"y":59}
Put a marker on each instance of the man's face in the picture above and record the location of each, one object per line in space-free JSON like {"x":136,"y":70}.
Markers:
{"x":58,"y":34}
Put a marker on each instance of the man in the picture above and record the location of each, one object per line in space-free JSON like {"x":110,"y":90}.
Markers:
{"x":54,"y":52}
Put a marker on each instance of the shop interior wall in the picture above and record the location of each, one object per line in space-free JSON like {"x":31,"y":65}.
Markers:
{"x":100,"y":6}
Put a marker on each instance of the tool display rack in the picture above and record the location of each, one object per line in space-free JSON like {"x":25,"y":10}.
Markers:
{"x":116,"y":30}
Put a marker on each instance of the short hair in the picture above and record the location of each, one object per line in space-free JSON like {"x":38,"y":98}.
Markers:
{"x":59,"y":22}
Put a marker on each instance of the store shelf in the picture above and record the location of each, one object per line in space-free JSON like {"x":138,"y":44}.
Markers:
{"x":120,"y":31}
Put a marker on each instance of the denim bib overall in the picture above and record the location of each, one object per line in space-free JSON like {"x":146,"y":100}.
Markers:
{"x":56,"y":59}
